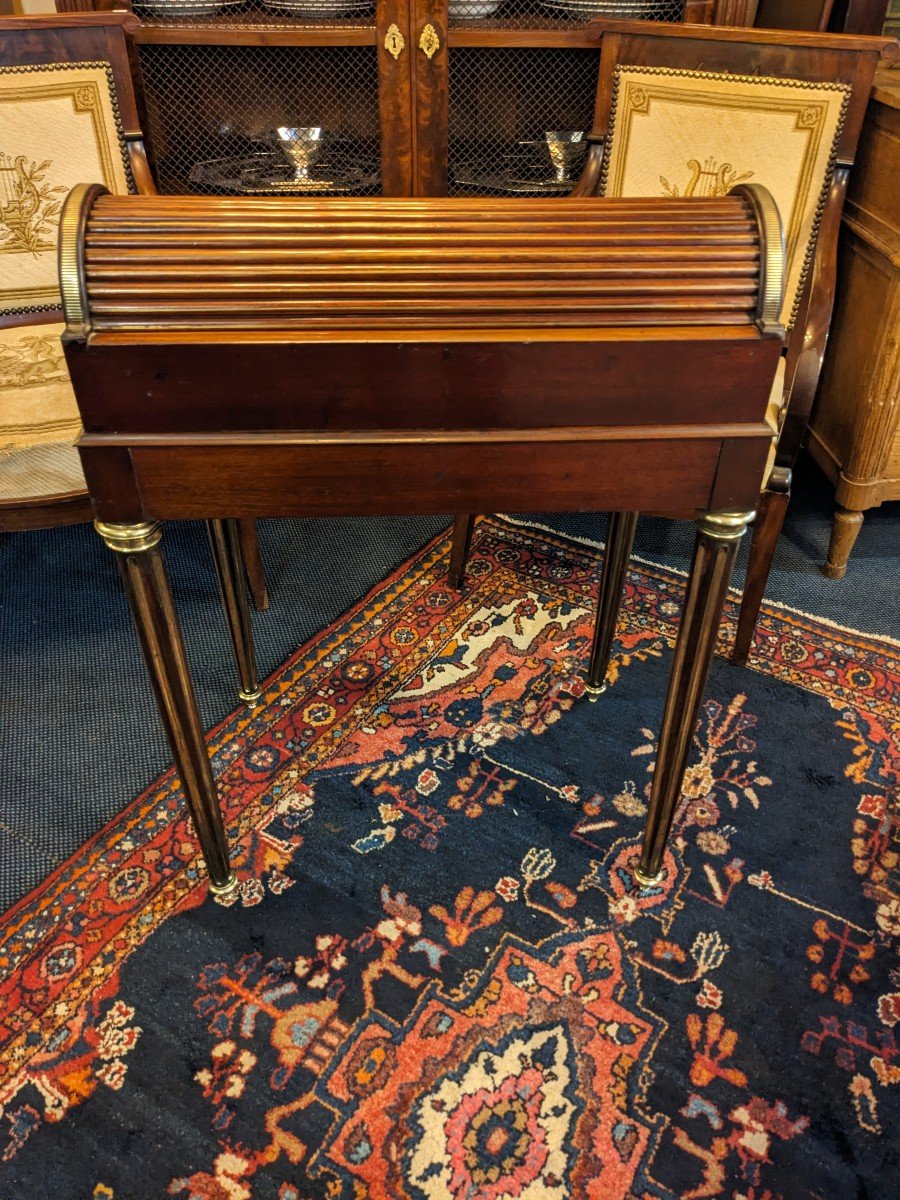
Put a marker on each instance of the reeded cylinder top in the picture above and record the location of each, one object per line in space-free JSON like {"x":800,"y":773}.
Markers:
{"x":308,"y":267}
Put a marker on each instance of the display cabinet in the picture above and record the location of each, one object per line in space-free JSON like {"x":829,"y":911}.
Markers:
{"x":402,"y":97}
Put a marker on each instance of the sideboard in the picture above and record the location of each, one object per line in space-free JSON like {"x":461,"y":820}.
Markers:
{"x":855,"y":428}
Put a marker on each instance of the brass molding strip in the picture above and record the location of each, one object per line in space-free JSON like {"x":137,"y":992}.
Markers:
{"x":771,"y":255}
{"x":388,"y":437}
{"x":72,"y":223}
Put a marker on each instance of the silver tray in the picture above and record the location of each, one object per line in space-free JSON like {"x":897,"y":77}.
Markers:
{"x":522,"y":170}
{"x":267,"y":174}
{"x":184,"y":8}
{"x":511,"y":182}
{"x":641,"y":9}
{"x":474,"y":10}
{"x":318,"y":8}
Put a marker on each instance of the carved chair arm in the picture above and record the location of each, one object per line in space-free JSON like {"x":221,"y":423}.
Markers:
{"x":589,"y":183}
{"x":809,"y":337}
{"x":140,"y":165}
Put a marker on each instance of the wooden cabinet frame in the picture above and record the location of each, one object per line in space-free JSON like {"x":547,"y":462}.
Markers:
{"x":415,"y":85}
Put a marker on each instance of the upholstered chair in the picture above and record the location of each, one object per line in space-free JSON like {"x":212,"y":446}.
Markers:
{"x":67,"y":114}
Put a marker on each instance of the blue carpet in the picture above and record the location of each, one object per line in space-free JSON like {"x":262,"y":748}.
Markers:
{"x":436,"y":979}
{"x":78,"y":727}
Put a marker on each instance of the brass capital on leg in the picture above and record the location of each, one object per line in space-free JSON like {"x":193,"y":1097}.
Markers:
{"x":130,"y":539}
{"x":724,"y":526}
{"x":147,"y":589}
{"x":715,"y":549}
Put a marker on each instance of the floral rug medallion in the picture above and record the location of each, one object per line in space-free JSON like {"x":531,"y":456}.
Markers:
{"x":438,"y":980}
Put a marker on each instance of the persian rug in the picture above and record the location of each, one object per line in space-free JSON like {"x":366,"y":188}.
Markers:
{"x":438,"y":981}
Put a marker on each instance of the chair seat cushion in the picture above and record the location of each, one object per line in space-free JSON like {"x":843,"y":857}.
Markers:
{"x":37,"y":403}
{"x":34,"y":472}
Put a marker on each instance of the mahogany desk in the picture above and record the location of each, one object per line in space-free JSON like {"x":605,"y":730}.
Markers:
{"x":256,"y":358}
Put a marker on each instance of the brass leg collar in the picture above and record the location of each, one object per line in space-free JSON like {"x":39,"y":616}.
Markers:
{"x":724,"y":526}
{"x":226,"y":889}
{"x":647,"y":880}
{"x":250,"y":697}
{"x":594,"y":692}
{"x":130,"y":539}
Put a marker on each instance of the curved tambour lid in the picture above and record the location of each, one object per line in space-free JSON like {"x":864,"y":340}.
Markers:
{"x":314,"y":267}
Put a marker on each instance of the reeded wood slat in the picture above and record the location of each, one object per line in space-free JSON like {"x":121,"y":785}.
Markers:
{"x":281,"y":264}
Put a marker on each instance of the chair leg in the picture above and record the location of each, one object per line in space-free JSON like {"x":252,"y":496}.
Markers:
{"x":253,"y":563}
{"x":844,"y":532}
{"x":147,"y":588}
{"x":226,"y":549}
{"x":766,"y":532}
{"x":619,"y":540}
{"x":715,"y":547}
{"x":463,"y":524}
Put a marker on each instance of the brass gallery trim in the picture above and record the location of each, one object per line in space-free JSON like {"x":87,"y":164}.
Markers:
{"x":365,"y":437}
{"x":772,"y":275}
{"x":72,"y":221}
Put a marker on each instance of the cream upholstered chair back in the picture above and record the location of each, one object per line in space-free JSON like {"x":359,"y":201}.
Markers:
{"x":60,"y":124}
{"x":694,"y":109}
{"x":691,"y":109}
{"x":676,"y":132}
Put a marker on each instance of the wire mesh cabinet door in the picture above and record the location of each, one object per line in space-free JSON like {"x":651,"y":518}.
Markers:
{"x":360,"y":97}
{"x":519,"y":79}
{"x":277,"y":97}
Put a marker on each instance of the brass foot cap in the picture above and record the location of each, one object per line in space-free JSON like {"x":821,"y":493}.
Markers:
{"x":250,"y":697}
{"x":593,"y":692}
{"x":226,"y":889}
{"x":647,"y":880}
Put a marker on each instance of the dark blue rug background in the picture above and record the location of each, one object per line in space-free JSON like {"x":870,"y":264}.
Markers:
{"x":79,"y":735}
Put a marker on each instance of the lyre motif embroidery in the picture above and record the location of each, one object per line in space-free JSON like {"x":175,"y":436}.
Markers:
{"x":29,"y":207}
{"x":708,"y":179}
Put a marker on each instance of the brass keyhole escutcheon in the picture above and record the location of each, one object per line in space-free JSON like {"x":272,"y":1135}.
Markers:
{"x":393,"y":42}
{"x":429,"y":42}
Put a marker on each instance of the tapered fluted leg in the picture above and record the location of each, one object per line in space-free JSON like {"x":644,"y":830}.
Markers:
{"x":619,"y":540}
{"x":463,"y":524}
{"x":256,"y":572}
{"x":224,"y":538}
{"x":766,"y":532}
{"x":147,"y":588}
{"x":715,"y":547}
